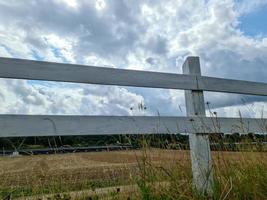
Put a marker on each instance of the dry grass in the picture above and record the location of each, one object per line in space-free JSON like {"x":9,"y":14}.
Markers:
{"x":235,"y":172}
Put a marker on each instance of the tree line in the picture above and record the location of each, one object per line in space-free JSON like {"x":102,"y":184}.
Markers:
{"x":218,"y":141}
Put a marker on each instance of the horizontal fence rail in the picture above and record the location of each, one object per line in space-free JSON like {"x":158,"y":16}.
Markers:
{"x":36,"y":70}
{"x":63,"y":125}
{"x":49,"y":71}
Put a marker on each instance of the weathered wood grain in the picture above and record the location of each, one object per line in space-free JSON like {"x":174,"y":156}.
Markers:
{"x":199,"y":143}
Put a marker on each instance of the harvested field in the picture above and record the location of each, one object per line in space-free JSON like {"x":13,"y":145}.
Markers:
{"x":44,"y":174}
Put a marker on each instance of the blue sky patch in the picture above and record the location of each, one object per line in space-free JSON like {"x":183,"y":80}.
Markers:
{"x":36,"y":56}
{"x":254,"y":23}
{"x":9,"y":50}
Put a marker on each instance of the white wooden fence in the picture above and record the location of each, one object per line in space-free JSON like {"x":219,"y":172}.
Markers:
{"x":191,"y":81}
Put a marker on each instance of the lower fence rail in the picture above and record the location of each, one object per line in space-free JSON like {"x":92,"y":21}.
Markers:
{"x":60,"y":125}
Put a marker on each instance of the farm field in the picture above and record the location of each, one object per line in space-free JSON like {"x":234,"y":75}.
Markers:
{"x":146,"y":174}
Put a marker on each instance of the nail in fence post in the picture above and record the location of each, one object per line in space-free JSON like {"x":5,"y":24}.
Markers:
{"x":199,"y":143}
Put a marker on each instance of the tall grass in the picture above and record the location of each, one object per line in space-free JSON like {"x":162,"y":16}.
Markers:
{"x":147,"y":173}
{"x":236,"y":176}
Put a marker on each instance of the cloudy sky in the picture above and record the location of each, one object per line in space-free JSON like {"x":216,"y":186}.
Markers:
{"x":230,"y":36}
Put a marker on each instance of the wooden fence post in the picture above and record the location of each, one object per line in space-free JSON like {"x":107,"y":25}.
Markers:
{"x":199,"y":143}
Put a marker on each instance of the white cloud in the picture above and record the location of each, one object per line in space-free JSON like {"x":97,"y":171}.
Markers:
{"x":4,"y":52}
{"x":71,"y":3}
{"x":247,"y":6}
{"x":100,"y":4}
{"x":94,"y":60}
{"x":61,"y":47}
{"x":144,"y":35}
{"x":18,"y":96}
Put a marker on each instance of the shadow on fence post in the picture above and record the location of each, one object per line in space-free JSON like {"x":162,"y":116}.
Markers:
{"x":199,"y":143}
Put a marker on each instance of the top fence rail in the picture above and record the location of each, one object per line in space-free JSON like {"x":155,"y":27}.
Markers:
{"x":50,"y":71}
